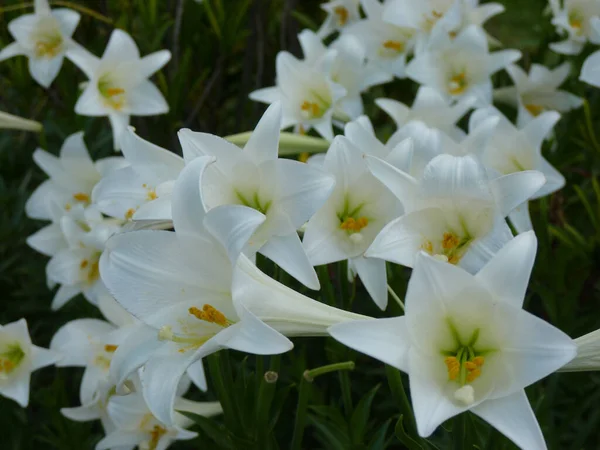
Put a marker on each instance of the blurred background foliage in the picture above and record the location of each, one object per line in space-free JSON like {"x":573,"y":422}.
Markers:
{"x":222,"y":50}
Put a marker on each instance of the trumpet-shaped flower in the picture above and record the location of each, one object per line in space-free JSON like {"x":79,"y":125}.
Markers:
{"x":578,"y":19}
{"x":537,"y":91}
{"x":195,"y":301}
{"x":18,"y":358}
{"x":460,"y":67}
{"x":340,"y":14}
{"x":142,"y":190}
{"x":118,"y":85}
{"x":136,"y":425}
{"x":454,"y":211}
{"x":307,"y":93}
{"x":387,"y":45}
{"x":512,"y":150}
{"x":431,"y":108}
{"x":253,"y":184}
{"x":467,"y":344}
{"x":10,"y":122}
{"x":356,"y":211}
{"x":44,"y":37}
{"x":349,"y":69}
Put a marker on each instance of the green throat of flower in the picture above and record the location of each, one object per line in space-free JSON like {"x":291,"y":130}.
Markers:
{"x":254,"y":202}
{"x":353,"y":222}
{"x":10,"y":359}
{"x":314,"y":106}
{"x":48,"y":46}
{"x":113,"y":96}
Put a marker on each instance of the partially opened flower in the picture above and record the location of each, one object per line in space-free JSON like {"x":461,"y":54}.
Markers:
{"x":142,"y":190}
{"x":513,"y":149}
{"x":195,"y":301}
{"x":118,"y":85}
{"x":243,"y":186}
{"x":467,"y":344}
{"x":460,"y":67}
{"x":431,"y":108}
{"x":137,"y":426}
{"x":307,"y":93}
{"x":340,"y":14}
{"x":44,"y":37}
{"x":575,"y":18}
{"x":387,"y":45}
{"x":10,"y":122}
{"x":356,"y":211}
{"x":18,"y":358}
{"x":537,"y":91}
{"x":453,"y":211}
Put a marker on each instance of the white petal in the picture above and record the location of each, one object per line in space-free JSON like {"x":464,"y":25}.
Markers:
{"x":146,"y":100}
{"x":500,"y":59}
{"x":590,"y":71}
{"x":90,"y":103}
{"x":520,"y":218}
{"x":119,"y":123}
{"x":63,"y":295}
{"x":233,"y":226}
{"x":68,"y":20}
{"x":48,"y":241}
{"x":120,"y":47}
{"x":44,"y":70}
{"x":81,"y":413}
{"x":373,"y":276}
{"x":121,"y":439}
{"x":514,"y":418}
{"x":513,"y":189}
{"x":75,"y":340}
{"x":540,"y":127}
{"x":507,"y":274}
{"x":384,"y":339}
{"x":263,"y":144}
{"x":554,"y":180}
{"x":196,"y":373}
{"x":158,"y":210}
{"x":402,"y":185}
{"x":153,"y":62}
{"x":483,"y":249}
{"x":266,"y":95}
{"x":41,"y":357}
{"x":397,"y":111}
{"x":119,"y":192}
{"x":82,"y":58}
{"x":17,"y":389}
{"x":287,"y":252}
{"x":12,"y":49}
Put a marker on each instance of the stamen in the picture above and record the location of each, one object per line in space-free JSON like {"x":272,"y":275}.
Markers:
{"x":396,"y":46}
{"x":311,"y":109}
{"x":48,"y":46}
{"x":111,"y":92}
{"x":457,"y":84}
{"x":81,"y":197}
{"x":210,"y":314}
{"x":342,"y":14}
{"x":156,"y":433}
{"x":93,"y":273}
{"x":427,"y":246}
{"x":535,"y":110}
{"x":450,"y":241}
{"x":84,"y":264}
{"x":110,"y":348}
{"x":354,"y":225}
{"x":129,"y":214}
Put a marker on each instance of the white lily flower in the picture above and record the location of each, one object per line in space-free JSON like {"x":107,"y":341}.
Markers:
{"x":537,"y":91}
{"x":513,"y":149}
{"x":118,"y":84}
{"x":18,"y":358}
{"x":467,"y":344}
{"x":340,"y":14}
{"x":142,"y":190}
{"x":387,"y":45}
{"x":349,"y":69}
{"x":185,"y":288}
{"x":137,"y":426}
{"x":575,"y":19}
{"x":460,"y":67}
{"x":44,"y":37}
{"x":356,"y":211}
{"x":431,"y":108}
{"x":306,"y":91}
{"x":453,"y":211}
{"x":243,"y":186}
{"x":75,"y":268}
{"x":590,"y":71}
{"x":10,"y":122}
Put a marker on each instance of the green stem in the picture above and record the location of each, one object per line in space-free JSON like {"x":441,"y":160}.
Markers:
{"x":326,"y":285}
{"x":289,"y":143}
{"x":399,"y":395}
{"x":395,"y":297}
{"x":310,"y":375}
{"x":300,"y":423}
{"x":346,"y":393}
{"x":223,"y":386}
{"x":266,"y":392}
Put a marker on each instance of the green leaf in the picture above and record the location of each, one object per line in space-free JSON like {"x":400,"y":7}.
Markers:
{"x":358,"y":421}
{"x":403,"y":437}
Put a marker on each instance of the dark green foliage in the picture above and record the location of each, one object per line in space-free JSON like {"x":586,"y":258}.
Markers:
{"x":222,"y":50}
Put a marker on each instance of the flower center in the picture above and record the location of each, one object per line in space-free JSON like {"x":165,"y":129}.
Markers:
{"x":10,"y":360}
{"x":535,"y":110}
{"x":314,"y":105}
{"x":104,"y":357}
{"x":457,"y":84}
{"x":576,"y":22}
{"x":114,"y":96}
{"x":155,"y":435}
{"x":48,"y":46}
{"x":89,"y":269}
{"x":210,"y":314}
{"x":452,"y":246}
{"x":254,"y":202}
{"x":342,"y":15}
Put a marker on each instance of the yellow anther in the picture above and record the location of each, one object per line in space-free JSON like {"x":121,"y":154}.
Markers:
{"x":450,"y":241}
{"x":48,"y":47}
{"x":109,"y":348}
{"x":111,"y":92}
{"x":129,"y":214}
{"x":436,"y":14}
{"x":209,"y":314}
{"x":155,"y":435}
{"x":84,"y":263}
{"x":93,"y":273}
{"x":303,"y":157}
{"x":397,"y":46}
{"x":354,"y":225}
{"x":479,"y":360}
{"x":152,"y":195}
{"x":427,"y":246}
{"x":457,"y":84}
{"x":472,"y":375}
{"x":312,"y":108}
{"x":342,"y":14}
{"x":535,"y":110}
{"x":470,"y":365}
{"x":81,"y":197}
{"x":6,"y":366}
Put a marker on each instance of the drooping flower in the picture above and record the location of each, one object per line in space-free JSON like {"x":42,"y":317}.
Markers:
{"x":195,"y":301}
{"x":431,"y":108}
{"x":142,"y":190}
{"x":536,"y":92}
{"x":467,"y":344}
{"x":340,"y":14}
{"x":10,"y":122}
{"x":18,"y":358}
{"x":44,"y":37}
{"x":575,"y":19}
{"x":387,"y":45}
{"x":460,"y":67}
{"x":513,"y":149}
{"x":306,"y":91}
{"x":453,"y":211}
{"x":118,"y":85}
{"x":356,"y":211}
{"x":243,"y":186}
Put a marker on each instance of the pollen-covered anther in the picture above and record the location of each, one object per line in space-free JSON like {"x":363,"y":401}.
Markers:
{"x":129,"y":214}
{"x":534,"y":110}
{"x":354,"y":225}
{"x":110,"y":348}
{"x":81,"y":197}
{"x":155,"y":435}
{"x":450,"y":241}
{"x":48,"y":47}
{"x":396,"y":46}
{"x":342,"y":14}
{"x":457,"y":84}
{"x":210,"y":314}
{"x":311,"y":109}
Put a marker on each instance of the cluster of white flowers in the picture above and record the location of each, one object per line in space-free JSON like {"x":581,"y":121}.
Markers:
{"x":166,"y":245}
